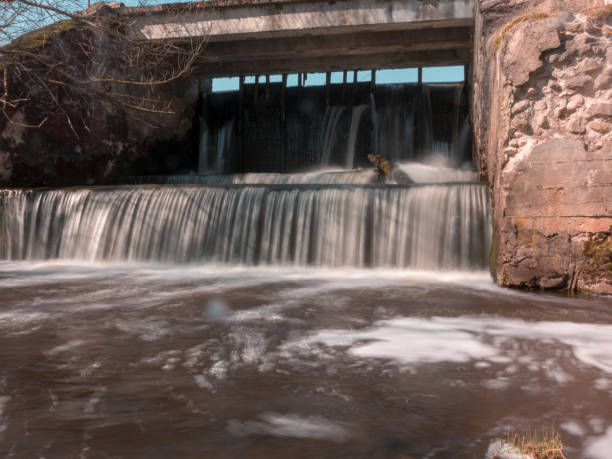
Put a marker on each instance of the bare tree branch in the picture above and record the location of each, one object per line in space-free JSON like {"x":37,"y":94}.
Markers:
{"x":85,"y":56}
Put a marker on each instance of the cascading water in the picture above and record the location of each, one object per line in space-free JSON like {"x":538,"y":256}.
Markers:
{"x":352,"y":137}
{"x":429,"y":227}
{"x":330,"y":123}
{"x":326,"y":217}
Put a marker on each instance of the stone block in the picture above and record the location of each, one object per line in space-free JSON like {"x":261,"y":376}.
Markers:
{"x":603,"y":109}
{"x":520,"y":106}
{"x":599,"y":126}
{"x":589,"y":65}
{"x":575,"y":102}
{"x":604,"y":80}
{"x":576,"y":125}
{"x":528,"y":40}
{"x":578,"y":81}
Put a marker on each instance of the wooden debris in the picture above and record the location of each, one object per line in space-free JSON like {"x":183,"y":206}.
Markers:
{"x":390,"y":170}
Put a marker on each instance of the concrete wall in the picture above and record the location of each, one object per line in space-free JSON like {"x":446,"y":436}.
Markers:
{"x":288,"y":36}
{"x":281,"y":18}
{"x":542,"y":115}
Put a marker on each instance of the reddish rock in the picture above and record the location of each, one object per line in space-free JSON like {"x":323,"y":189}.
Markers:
{"x":599,"y":109}
{"x":589,"y":65}
{"x":520,"y":106}
{"x":576,"y":125}
{"x":555,"y":192}
{"x":604,"y":80}
{"x":520,"y":60}
{"x":578,"y":81}
{"x":599,"y":126}
{"x":575,"y":102}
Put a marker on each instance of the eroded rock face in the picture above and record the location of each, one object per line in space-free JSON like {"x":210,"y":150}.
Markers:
{"x":88,"y":141}
{"x":542,"y":111}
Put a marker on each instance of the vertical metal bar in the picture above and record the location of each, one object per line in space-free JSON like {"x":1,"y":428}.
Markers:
{"x":241,"y":132}
{"x":284,"y":95}
{"x":256,"y":94}
{"x":327,"y":87}
{"x":420,"y":75}
{"x":284,"y":122}
{"x":267,"y":88}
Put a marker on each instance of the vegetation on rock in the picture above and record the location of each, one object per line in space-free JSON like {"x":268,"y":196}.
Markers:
{"x":538,"y":445}
{"x":501,"y":36}
{"x":598,"y":252}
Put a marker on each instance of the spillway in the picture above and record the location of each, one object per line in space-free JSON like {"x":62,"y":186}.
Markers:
{"x":444,"y":226}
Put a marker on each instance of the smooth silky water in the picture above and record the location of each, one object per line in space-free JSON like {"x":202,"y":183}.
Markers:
{"x":317,"y":315}
{"x":282,"y":321}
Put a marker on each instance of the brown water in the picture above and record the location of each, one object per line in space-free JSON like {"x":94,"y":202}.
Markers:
{"x":154,"y":361}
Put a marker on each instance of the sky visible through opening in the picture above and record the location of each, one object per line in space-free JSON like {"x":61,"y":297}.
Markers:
{"x":450,"y":74}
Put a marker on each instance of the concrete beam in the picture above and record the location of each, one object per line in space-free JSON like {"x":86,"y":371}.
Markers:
{"x":333,"y":63}
{"x":364,"y":43}
{"x":286,"y":18}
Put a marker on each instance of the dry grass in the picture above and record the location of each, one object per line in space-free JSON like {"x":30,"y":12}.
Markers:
{"x":598,"y":13}
{"x":38,"y":38}
{"x":543,"y":445}
{"x":503,"y":33}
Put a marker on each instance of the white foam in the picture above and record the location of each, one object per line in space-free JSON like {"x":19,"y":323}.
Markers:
{"x":573,"y":428}
{"x":92,"y":404}
{"x":603,"y":384}
{"x":289,"y":425}
{"x":413,"y":340}
{"x":600,"y":447}
{"x":14,"y":319}
{"x":146,"y":330}
{"x":424,"y":173}
{"x":70,"y":345}
{"x":496,"y":384}
{"x":4,"y":399}
{"x":499,"y":450}
{"x":203,"y":382}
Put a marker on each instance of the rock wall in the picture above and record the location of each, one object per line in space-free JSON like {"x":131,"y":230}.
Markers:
{"x":542,"y":117}
{"x":85,"y":139}
{"x":108,"y":144}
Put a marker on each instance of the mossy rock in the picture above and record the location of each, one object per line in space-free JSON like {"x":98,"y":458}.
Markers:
{"x":37,"y":39}
{"x":598,"y":251}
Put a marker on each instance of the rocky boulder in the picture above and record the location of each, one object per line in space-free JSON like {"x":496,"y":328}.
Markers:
{"x":542,"y":114}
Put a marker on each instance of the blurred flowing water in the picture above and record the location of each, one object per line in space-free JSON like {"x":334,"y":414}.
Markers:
{"x":319,"y":314}
{"x":143,"y":360}
{"x":432,"y":227}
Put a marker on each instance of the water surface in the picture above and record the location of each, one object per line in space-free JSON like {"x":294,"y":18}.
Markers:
{"x":143,"y":360}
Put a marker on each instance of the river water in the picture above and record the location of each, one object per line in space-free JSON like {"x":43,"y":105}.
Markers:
{"x":324,"y":314}
{"x":157,"y":361}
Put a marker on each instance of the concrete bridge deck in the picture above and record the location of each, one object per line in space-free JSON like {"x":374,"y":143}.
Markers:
{"x":268,"y":36}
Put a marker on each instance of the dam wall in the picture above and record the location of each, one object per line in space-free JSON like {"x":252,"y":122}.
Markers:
{"x":538,"y":81}
{"x":542,"y":113}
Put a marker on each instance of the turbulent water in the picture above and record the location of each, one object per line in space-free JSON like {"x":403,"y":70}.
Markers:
{"x":321,"y":314}
{"x":431,"y":227}
{"x":227,"y":362}
{"x":402,"y":122}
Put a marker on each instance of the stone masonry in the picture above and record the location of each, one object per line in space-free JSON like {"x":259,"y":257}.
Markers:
{"x":542,"y":116}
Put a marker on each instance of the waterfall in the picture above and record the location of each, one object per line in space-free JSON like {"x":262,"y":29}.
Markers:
{"x":330,"y":131}
{"x":425,"y":227}
{"x":321,"y":176}
{"x":352,"y":138}
{"x":395,"y":122}
{"x":224,"y":138}
{"x":203,"y":159}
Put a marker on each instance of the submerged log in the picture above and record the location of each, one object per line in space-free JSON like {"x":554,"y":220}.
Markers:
{"x":390,"y":170}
